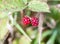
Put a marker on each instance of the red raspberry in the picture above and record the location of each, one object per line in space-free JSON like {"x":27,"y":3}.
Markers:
{"x":25,"y":20}
{"x":34,"y":21}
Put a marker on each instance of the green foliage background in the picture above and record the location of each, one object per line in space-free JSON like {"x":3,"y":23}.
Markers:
{"x":8,"y":8}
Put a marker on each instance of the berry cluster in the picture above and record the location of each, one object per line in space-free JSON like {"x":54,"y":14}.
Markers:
{"x":34,"y":21}
{"x":26,"y":21}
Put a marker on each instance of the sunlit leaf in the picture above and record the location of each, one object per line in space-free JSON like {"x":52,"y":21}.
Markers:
{"x":23,"y":40}
{"x":38,"y":6}
{"x":3,"y":15}
{"x":3,"y":29}
{"x":11,"y":5}
{"x":25,"y":1}
{"x":32,"y":33}
{"x":16,"y":41}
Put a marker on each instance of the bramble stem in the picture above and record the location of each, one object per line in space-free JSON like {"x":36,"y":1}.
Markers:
{"x":40,"y":26}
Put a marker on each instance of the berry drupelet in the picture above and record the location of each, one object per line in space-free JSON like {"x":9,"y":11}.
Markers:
{"x":34,"y":21}
{"x":26,"y":20}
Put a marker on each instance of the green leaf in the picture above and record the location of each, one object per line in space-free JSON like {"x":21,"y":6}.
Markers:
{"x":53,"y":2}
{"x":3,"y":15}
{"x":52,"y":38}
{"x":38,"y":6}
{"x":32,"y":33}
{"x":35,"y":41}
{"x":25,"y":1}
{"x":46,"y":33}
{"x":3,"y":29}
{"x":11,"y":5}
{"x":58,"y":29}
{"x":28,"y":12}
{"x":56,"y":34}
{"x":54,"y":13}
{"x":23,"y":40}
{"x":15,"y":41}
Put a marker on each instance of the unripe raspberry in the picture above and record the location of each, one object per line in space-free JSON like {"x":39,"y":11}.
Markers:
{"x":34,"y":21}
{"x":26,"y":20}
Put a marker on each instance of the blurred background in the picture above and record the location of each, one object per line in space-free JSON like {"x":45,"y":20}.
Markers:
{"x":29,"y":21}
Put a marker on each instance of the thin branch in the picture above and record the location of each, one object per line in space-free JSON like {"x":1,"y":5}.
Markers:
{"x":10,"y":28}
{"x":22,"y":13}
{"x":40,"y":26}
{"x":10,"y":40}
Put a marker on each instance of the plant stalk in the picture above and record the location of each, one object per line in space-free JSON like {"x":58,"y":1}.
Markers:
{"x":40,"y":26}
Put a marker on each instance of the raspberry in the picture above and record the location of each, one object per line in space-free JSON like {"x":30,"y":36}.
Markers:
{"x":34,"y":21}
{"x":25,"y":20}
